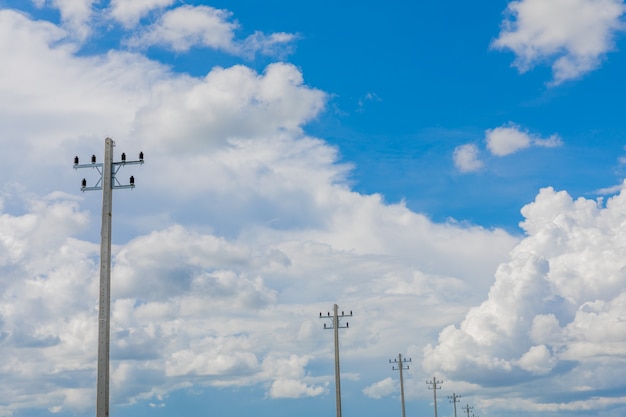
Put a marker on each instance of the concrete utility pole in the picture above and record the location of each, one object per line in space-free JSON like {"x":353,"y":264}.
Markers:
{"x":400,"y":362}
{"x":336,"y":326}
{"x":467,"y":409}
{"x":454,"y":399}
{"x":107,"y":183}
{"x":434,"y":386}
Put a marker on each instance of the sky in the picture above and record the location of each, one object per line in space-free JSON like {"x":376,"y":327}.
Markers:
{"x":450,"y":172}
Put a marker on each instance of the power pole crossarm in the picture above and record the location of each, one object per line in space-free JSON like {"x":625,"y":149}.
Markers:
{"x":398,"y":365}
{"x":336,"y":325}
{"x":107,"y":183}
{"x":435,"y":385}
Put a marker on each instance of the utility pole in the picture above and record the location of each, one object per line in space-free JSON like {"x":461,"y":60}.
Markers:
{"x":107,"y":183}
{"x":467,"y":409}
{"x":434,"y":386}
{"x":454,"y":399}
{"x":336,"y":325}
{"x":400,"y":362}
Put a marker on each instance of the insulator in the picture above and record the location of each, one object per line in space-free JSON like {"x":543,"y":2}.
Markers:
{"x":123,"y":157}
{"x":75,"y":160}
{"x":93,"y":159}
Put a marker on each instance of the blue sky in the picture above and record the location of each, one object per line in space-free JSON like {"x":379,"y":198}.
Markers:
{"x":451,"y":172}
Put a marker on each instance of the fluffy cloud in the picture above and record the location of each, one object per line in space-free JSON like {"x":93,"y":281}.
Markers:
{"x":185,"y":27}
{"x":556,"y":307}
{"x":508,"y":139}
{"x":573,"y":35}
{"x":466,"y":158}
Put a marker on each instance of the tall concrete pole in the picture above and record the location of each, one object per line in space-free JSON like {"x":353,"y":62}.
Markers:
{"x":104,"y":313}
{"x":107,"y":183}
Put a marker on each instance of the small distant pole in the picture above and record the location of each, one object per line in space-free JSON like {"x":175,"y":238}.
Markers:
{"x":336,"y":325}
{"x":454,"y":399}
{"x":400,"y":367}
{"x":107,"y":183}
{"x":434,"y":385}
{"x":467,"y":409}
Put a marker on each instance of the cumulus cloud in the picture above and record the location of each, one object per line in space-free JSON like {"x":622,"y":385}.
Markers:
{"x":555,"y":308}
{"x":466,"y":158}
{"x":511,"y":138}
{"x":187,"y":26}
{"x":572,"y":35}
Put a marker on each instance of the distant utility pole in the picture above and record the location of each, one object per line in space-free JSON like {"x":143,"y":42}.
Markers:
{"x":434,"y":385}
{"x":400,"y":362}
{"x":467,"y":409}
{"x":336,"y":325}
{"x":107,"y":183}
{"x":454,"y":399}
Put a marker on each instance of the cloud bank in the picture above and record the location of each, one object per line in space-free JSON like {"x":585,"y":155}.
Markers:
{"x":556,"y":308}
{"x":239,"y":220}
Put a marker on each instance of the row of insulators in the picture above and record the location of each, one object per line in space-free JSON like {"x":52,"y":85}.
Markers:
{"x":132,"y":181}
{"x":93,"y":158}
{"x":341,"y":314}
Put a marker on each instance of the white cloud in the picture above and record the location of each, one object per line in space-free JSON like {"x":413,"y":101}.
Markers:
{"x":506,"y":140}
{"x":381,"y":388}
{"x":130,"y":12}
{"x":466,"y":158}
{"x":511,"y":138}
{"x":185,"y":27}
{"x":555,"y":308}
{"x":572,"y":35}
